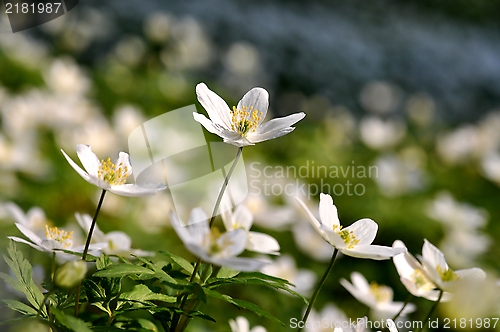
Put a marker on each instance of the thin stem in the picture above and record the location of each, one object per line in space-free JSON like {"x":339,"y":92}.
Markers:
{"x":434,"y":306}
{"x":86,"y":249}
{"x":53,"y":266}
{"x":408,"y":299}
{"x":318,"y":288}
{"x":176,"y":317}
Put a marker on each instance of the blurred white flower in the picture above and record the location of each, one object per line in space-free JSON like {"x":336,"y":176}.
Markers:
{"x":438,"y":271}
{"x":354,"y":240}
{"x":65,"y":77}
{"x":461,"y":247}
{"x":413,"y":277}
{"x":242,"y":219}
{"x":379,"y":134}
{"x":378,"y":298}
{"x":125,"y":119}
{"x":241,"y":324}
{"x":460,"y":145}
{"x":445,"y":209}
{"x":242,"y":126}
{"x":110,"y":176}
{"x":112,"y":243}
{"x":327,"y":319}
{"x":397,"y":176}
{"x":310,"y":242}
{"x":157,"y":27}
{"x":34,"y":219}
{"x":211,"y":245}
{"x":284,"y":267}
{"x":490,"y":166}
{"x":380,"y":97}
{"x":242,"y":59}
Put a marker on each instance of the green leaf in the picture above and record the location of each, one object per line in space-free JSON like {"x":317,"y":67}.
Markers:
{"x":140,"y":295}
{"x":75,"y":324}
{"x":23,"y":277}
{"x":122,"y":270}
{"x":102,"y":262}
{"x":206,"y":272}
{"x":180,"y":261}
{"x":20,"y":307}
{"x":226,"y":272}
{"x":243,"y":304}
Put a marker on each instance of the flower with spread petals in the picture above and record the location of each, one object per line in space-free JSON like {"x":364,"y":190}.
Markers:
{"x":241,"y":324}
{"x":414,"y":277}
{"x":242,"y":219}
{"x":108,"y":175}
{"x":440,"y":273}
{"x":116,"y":242}
{"x":376,"y":297}
{"x":211,"y":245}
{"x":354,"y":240}
{"x":242,"y":125}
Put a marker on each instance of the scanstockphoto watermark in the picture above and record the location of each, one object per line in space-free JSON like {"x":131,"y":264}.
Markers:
{"x":290,"y":180}
{"x":376,"y":325}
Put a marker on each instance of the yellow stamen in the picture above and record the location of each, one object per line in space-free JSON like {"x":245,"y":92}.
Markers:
{"x":447,"y":275}
{"x":111,"y":173}
{"x":61,"y":236}
{"x":211,"y":241}
{"x":245,"y":120}
{"x":421,"y":280}
{"x":382,"y":293}
{"x":348,"y":236}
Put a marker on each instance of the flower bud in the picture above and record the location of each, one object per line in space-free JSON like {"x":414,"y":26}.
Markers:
{"x":70,"y":274}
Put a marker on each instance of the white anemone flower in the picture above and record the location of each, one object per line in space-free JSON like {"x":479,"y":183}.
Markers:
{"x":114,"y":243}
{"x":440,"y":273}
{"x":242,"y":125}
{"x":241,"y":324}
{"x":413,"y":277}
{"x":377,"y":297}
{"x":211,"y":245}
{"x":242,"y":219}
{"x":54,"y":240}
{"x":354,"y":240}
{"x":34,"y":219}
{"x":108,"y":175}
{"x":284,"y":267}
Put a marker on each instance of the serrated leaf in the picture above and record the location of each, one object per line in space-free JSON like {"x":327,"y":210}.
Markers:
{"x":23,"y":277}
{"x":243,"y":304}
{"x":102,"y":262}
{"x":180,"y":261}
{"x":225,"y":272}
{"x":73,"y":323}
{"x":206,"y":272}
{"x":20,"y":307}
{"x":122,"y":270}
{"x":142,"y":294}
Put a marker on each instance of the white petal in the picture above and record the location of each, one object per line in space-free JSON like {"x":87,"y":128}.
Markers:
{"x":242,"y":217}
{"x":434,"y":256}
{"x":17,"y":239}
{"x":364,"y":230}
{"x":261,"y":137}
{"x":216,"y":107}
{"x":29,"y":234}
{"x":332,"y":237}
{"x":312,"y":219}
{"x":372,"y":252}
{"x":328,"y":212}
{"x":85,"y":221}
{"x":78,"y":169}
{"x":278,"y":124}
{"x":258,"y":99}
{"x":360,"y":282}
{"x":119,"y":241}
{"x":210,"y":126}
{"x":237,"y":239}
{"x":132,"y":189}
{"x":362,"y":295}
{"x":471,"y":274}
{"x":262,"y":243}
{"x":88,"y":159}
{"x":124,"y":159}
{"x":17,"y":213}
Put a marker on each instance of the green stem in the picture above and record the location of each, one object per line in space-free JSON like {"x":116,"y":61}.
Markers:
{"x":177,"y":317}
{"x":318,"y":288}
{"x":408,"y":299}
{"x":86,"y":249}
{"x":434,"y":306}
{"x":53,"y":266}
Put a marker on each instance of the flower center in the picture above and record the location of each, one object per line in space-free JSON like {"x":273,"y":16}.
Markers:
{"x":61,"y":236}
{"x":421,"y":281}
{"x":348,"y":236}
{"x":447,"y":275}
{"x":245,"y":120}
{"x":382,"y":293}
{"x":111,"y":173}
{"x":214,"y":245}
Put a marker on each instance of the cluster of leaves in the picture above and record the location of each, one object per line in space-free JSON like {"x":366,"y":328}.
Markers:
{"x":139,"y":295}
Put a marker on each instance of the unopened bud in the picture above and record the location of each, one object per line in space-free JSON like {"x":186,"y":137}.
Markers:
{"x":70,"y":274}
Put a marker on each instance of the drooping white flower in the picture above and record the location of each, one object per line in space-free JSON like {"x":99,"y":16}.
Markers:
{"x":241,"y":324}
{"x":110,"y":176}
{"x":376,"y":297}
{"x":354,"y":240}
{"x":440,"y":273}
{"x":284,"y":267}
{"x":242,"y":125}
{"x":414,"y":277}
{"x":242,"y":219}
{"x":113,"y":243}
{"x":211,"y":245}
